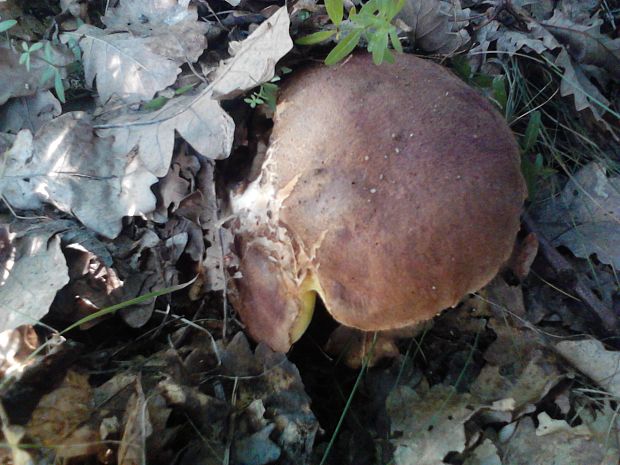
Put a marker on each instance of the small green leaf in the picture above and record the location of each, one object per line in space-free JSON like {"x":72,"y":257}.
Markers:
{"x":499,"y":91}
{"x":531,"y":132}
{"x":344,"y":47}
{"x":59,"y":86}
{"x":24,"y":46}
{"x":6,"y":25}
{"x":378,"y":46}
{"x":315,"y":38}
{"x":47,"y":74}
{"x":23,"y":57}
{"x":184,"y":89}
{"x":35,"y":47}
{"x":395,"y":41}
{"x":335,"y":10}
{"x":156,"y":103}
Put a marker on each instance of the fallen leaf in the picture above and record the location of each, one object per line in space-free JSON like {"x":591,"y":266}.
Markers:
{"x":142,"y":48}
{"x":33,"y":270}
{"x":567,"y":447}
{"x":30,"y":112}
{"x":60,"y":419}
{"x":586,"y":215}
{"x":591,"y":358}
{"x":131,"y":450}
{"x":66,"y":165}
{"x":437,"y":26}
{"x":430,"y":425}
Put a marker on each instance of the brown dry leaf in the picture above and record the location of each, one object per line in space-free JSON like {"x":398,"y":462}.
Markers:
{"x":16,"y":345}
{"x":60,"y":420}
{"x":138,"y":427}
{"x":32,"y":270}
{"x":66,"y":165}
{"x":437,"y":26}
{"x":16,"y":81}
{"x":142,"y":48}
{"x":565,"y":445}
{"x":30,"y":112}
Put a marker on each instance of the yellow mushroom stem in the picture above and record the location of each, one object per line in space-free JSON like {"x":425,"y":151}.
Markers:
{"x":308,"y":291}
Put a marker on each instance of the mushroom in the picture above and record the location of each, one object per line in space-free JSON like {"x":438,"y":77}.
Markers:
{"x":389,"y":191}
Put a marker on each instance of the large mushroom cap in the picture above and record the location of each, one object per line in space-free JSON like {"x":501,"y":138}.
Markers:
{"x":392,"y":191}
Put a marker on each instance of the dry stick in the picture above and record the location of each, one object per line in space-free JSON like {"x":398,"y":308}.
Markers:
{"x":562,"y":265}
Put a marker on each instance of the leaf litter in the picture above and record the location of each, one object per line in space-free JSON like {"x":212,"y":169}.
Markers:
{"x":500,"y":380}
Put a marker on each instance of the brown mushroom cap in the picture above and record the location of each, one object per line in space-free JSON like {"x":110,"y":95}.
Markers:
{"x":392,"y":191}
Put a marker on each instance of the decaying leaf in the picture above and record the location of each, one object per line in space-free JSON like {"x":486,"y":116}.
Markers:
{"x":29,"y":112}
{"x":591,"y":358}
{"x":270,"y":377}
{"x":253,"y":60}
{"x":430,"y":425}
{"x":60,"y":419}
{"x":16,"y":345}
{"x":586,"y":215}
{"x":66,"y":165}
{"x":131,"y":450}
{"x":437,"y":26}
{"x":197,"y":116}
{"x":566,"y":446}
{"x":145,"y":43}
{"x":32,"y":270}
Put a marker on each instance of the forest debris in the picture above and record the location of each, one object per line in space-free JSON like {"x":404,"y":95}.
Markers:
{"x":145,"y":42}
{"x":591,"y":358}
{"x":60,"y":420}
{"x":429,"y":425}
{"x":436,"y":26}
{"x":29,"y":112}
{"x":66,"y":165}
{"x":585,"y":217}
{"x":17,"y":81}
{"x":32,"y":270}
{"x":568,"y":446}
{"x":16,"y":346}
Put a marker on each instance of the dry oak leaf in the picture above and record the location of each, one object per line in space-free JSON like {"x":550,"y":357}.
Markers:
{"x":196,"y":116}
{"x":29,"y":112}
{"x":437,"y":26}
{"x":32,"y":270}
{"x":64,"y":164}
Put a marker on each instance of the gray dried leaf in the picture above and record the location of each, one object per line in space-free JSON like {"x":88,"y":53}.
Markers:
{"x":67,"y":166}
{"x":29,"y":112}
{"x":253,"y":60}
{"x":437,"y":26}
{"x":586,"y":215}
{"x":591,"y":358}
{"x":32,"y":270}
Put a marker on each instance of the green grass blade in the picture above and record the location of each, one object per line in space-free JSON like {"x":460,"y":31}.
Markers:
{"x":315,"y":38}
